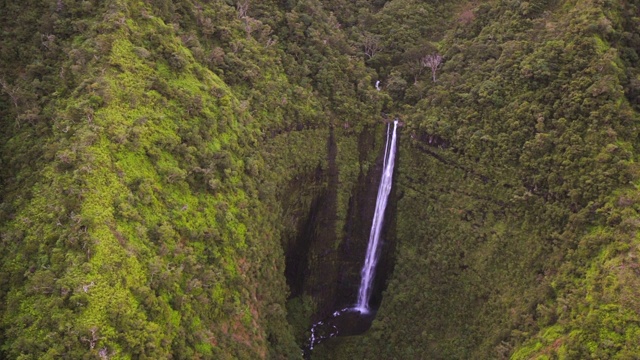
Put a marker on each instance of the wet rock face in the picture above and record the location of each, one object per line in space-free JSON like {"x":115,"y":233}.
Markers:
{"x":311,"y":257}
{"x":358,"y":226}
{"x":325,"y":264}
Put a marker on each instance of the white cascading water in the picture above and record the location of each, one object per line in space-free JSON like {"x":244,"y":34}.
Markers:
{"x":373,"y":251}
{"x":329,"y":328}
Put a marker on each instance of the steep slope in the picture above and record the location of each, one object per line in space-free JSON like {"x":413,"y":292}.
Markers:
{"x":517,"y":215}
{"x":133,"y":240}
{"x":146,"y":148}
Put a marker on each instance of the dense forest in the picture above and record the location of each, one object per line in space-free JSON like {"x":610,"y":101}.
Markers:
{"x":195,"y":179}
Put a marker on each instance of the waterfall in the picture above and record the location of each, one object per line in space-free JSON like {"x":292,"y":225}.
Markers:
{"x":373,"y":251}
{"x":355,"y":320}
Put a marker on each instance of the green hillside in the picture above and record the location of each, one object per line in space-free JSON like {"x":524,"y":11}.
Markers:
{"x":195,"y":179}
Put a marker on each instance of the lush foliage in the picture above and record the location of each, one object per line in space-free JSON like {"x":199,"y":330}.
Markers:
{"x":145,"y":146}
{"x":162,"y":160}
{"x":518,"y":208}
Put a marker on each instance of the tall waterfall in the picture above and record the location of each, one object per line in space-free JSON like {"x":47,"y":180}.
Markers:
{"x":373,"y":251}
{"x":355,"y":320}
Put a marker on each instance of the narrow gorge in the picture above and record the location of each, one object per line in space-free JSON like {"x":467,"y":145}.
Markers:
{"x":356,"y":318}
{"x":224,"y":179}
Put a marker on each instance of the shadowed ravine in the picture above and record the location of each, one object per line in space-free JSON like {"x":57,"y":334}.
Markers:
{"x":373,"y":250}
{"x":357,"y":319}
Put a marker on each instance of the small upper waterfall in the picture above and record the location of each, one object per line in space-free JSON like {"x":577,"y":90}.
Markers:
{"x":373,"y":251}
